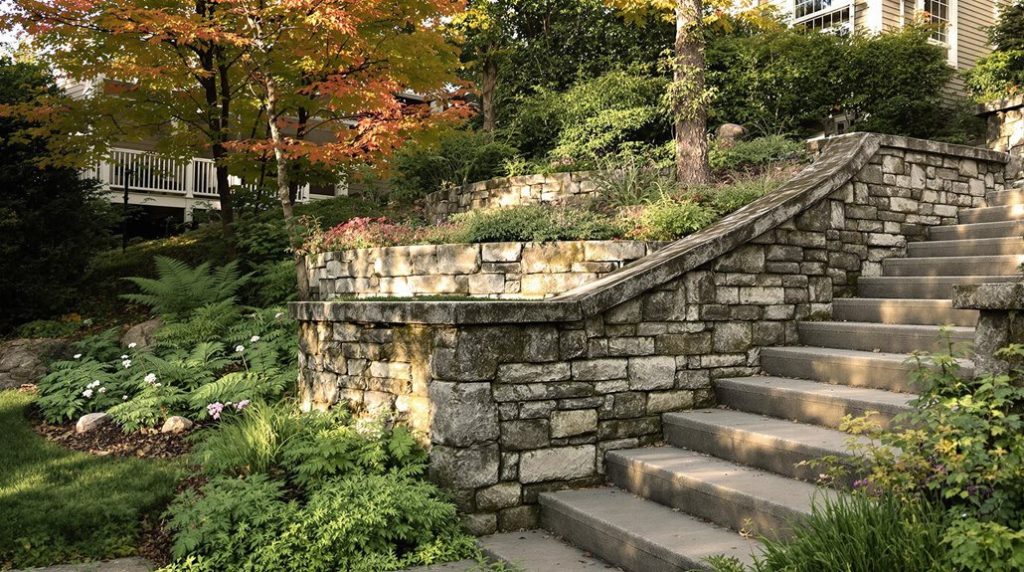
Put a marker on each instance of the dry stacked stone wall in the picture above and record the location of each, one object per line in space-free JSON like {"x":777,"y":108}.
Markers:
{"x":556,"y":188}
{"x":517,"y":398}
{"x":520,"y":270}
{"x":1006,"y":125}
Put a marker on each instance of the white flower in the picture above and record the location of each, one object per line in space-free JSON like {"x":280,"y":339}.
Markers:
{"x":124,"y":356}
{"x":239,"y":348}
{"x":132,"y":345}
{"x":158,"y":385}
{"x":94,"y":383}
{"x":150,"y":378}
{"x":124,"y":398}
{"x":102,"y":390}
{"x":87,"y":393}
{"x":278,"y":315}
{"x":254,"y":339}
{"x":127,"y":363}
{"x":78,"y":356}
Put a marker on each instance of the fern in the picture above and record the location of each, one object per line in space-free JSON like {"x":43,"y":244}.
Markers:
{"x":211,"y":322}
{"x":179,"y":289}
{"x":247,"y":444}
{"x":266,"y":385}
{"x":149,"y":407}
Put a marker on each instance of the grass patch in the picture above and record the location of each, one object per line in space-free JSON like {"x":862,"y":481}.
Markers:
{"x":62,"y":506}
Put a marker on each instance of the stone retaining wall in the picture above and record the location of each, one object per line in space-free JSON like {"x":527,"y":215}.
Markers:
{"x":517,"y":398}
{"x":523,"y":270}
{"x":1006,"y":125}
{"x":556,"y":188}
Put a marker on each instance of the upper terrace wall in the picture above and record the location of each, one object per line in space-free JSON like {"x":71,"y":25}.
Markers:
{"x":518,"y":398}
{"x":556,"y":188}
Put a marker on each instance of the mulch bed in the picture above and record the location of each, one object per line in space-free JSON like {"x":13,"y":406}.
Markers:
{"x":110,"y":440}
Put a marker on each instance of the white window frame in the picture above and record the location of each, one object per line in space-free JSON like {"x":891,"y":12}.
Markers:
{"x":952,"y":8}
{"x":837,"y":7}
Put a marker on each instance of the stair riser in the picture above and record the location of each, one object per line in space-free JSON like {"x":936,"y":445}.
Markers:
{"x":893,"y":313}
{"x":983,"y":247}
{"x":965,"y":266}
{"x":991,"y":214}
{"x":920,"y":287}
{"x":998,"y":230}
{"x":824,"y":412}
{"x":894,"y":341}
{"x":583,"y":533}
{"x":886,"y":376}
{"x":744,"y":448}
{"x":723,"y":507}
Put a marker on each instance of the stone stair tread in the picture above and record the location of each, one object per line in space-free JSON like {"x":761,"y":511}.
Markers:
{"x":1011,"y":196}
{"x":995,"y":213}
{"x":717,"y":478}
{"x":886,"y":358}
{"x":966,"y":247}
{"x":783,"y":433}
{"x":930,"y":287}
{"x":815,"y":391}
{"x":907,"y":311}
{"x":538,"y":551}
{"x":977,"y":230}
{"x":965,"y":332}
{"x":638,"y":534}
{"x":951,"y":266}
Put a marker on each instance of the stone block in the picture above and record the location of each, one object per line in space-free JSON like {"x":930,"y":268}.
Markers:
{"x":533,"y":373}
{"x":664,"y":401}
{"x":551,"y":257}
{"x":557,"y":464}
{"x":654,"y":372}
{"x":501,"y":251}
{"x":613,"y":250}
{"x":499,"y":496}
{"x":599,"y":369}
{"x":731,"y":337}
{"x":573,"y":422}
{"x":470,"y":468}
{"x":464,"y":413}
{"x":458,"y":258}
{"x":527,"y":434}
{"x":483,"y":284}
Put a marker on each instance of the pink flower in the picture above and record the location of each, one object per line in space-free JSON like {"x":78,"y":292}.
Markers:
{"x":242,"y":405}
{"x":214,"y":409}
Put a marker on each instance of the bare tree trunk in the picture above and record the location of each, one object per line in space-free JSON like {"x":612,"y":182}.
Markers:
{"x":488,"y":84}
{"x":689,"y":105}
{"x":284,"y":187}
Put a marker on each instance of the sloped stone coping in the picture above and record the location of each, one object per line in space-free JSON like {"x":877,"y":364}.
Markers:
{"x":1000,"y":322}
{"x":840,"y":160}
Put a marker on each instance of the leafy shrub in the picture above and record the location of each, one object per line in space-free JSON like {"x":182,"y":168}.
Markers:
{"x":455,"y":157}
{"x":631,"y":182}
{"x":1001,"y":73}
{"x":668,"y":219}
{"x":179,"y":288}
{"x":532,"y":223}
{"x":359,"y":522}
{"x":729,"y":198}
{"x":855,"y":532}
{"x":755,"y":153}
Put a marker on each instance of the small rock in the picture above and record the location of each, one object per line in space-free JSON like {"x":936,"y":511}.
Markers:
{"x":176,"y":424}
{"x":728,"y":134}
{"x":142,"y":334}
{"x":91,"y":421}
{"x":23,"y":361}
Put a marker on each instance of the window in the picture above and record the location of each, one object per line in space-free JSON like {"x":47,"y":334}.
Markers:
{"x":832,"y":15}
{"x":938,"y":13}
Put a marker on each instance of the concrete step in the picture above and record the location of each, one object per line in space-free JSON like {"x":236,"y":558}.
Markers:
{"x":538,"y":551}
{"x":1005,"y":264}
{"x":775,"y":445}
{"x":1011,"y":196}
{"x":809,"y":401}
{"x":876,"y":370}
{"x":867,"y":336}
{"x":932,"y":287}
{"x":724,"y":493}
{"x":902,"y":311}
{"x":996,"y":213}
{"x":983,"y":230}
{"x":967,"y":247}
{"x":638,"y":535}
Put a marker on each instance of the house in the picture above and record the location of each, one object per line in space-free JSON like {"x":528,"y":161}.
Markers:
{"x":165,"y":192}
{"x":962,"y":22}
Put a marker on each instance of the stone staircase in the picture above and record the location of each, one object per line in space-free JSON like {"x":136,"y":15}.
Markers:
{"x":738,"y":467}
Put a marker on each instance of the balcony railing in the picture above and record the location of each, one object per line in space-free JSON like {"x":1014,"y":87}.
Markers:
{"x":149,"y":173}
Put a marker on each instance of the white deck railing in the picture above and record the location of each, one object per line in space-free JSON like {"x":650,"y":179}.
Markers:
{"x":150,"y":173}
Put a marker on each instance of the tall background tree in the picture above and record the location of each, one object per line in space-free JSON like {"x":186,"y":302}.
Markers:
{"x":50,"y":220}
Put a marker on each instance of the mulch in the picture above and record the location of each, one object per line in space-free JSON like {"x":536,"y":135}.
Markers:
{"x":110,"y":440}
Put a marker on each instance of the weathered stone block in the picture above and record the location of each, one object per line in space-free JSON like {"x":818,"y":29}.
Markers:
{"x":501,"y":251}
{"x":557,"y":464}
{"x":464,"y":468}
{"x":599,"y":369}
{"x":654,"y":372}
{"x":533,"y":373}
{"x":573,"y":422}
{"x":499,"y":496}
{"x":464,"y":414}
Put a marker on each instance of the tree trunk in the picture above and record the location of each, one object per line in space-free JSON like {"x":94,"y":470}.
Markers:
{"x":284,"y":187}
{"x":227,"y":209}
{"x":488,"y":84}
{"x":689,"y":105}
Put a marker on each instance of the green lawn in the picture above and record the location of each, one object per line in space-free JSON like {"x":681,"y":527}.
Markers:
{"x":58,"y":505}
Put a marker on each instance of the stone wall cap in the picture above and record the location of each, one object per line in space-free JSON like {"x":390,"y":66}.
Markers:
{"x":842,"y":158}
{"x":1004,"y":104}
{"x":990,"y":296}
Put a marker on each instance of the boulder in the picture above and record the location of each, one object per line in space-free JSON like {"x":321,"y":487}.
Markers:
{"x":23,"y":361}
{"x":91,"y":421}
{"x":176,"y":424}
{"x":728,"y":134}
{"x":142,"y":334}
